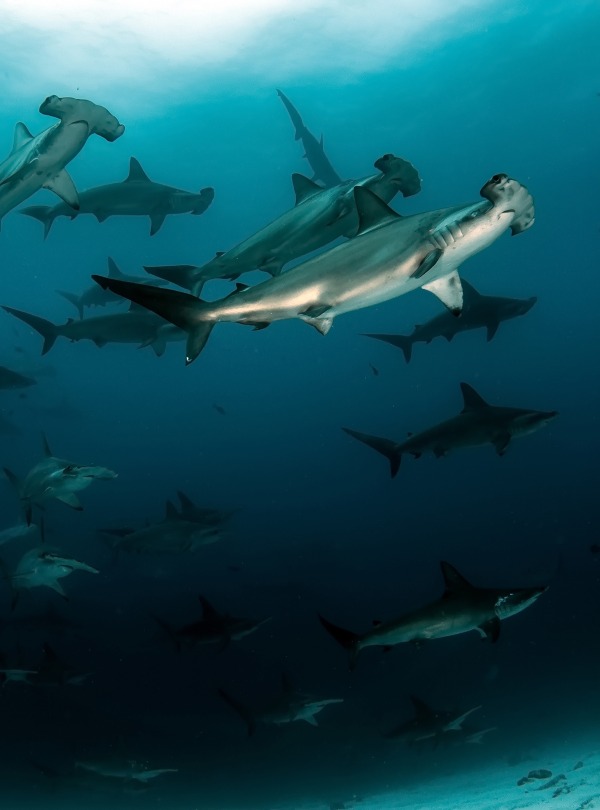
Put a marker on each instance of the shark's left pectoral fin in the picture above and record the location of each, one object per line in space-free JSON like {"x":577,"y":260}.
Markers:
{"x":62,"y":185}
{"x":312,"y":720}
{"x":156,"y":220}
{"x":315,"y":316}
{"x":71,"y":500}
{"x":490,"y":629}
{"x":501,"y":443}
{"x":492,"y":328}
{"x":58,"y":588}
{"x":449,"y":290}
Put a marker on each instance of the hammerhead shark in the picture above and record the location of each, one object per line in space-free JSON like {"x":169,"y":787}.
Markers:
{"x":478,"y":423}
{"x":479,"y":312}
{"x":95,"y":296}
{"x":212,"y":628}
{"x":461,"y":608}
{"x":288,"y":706}
{"x":313,"y":149}
{"x":318,"y":217}
{"x":55,"y":478}
{"x":137,"y":325}
{"x":175,"y":534}
{"x":137,"y":195}
{"x":389,"y":257}
{"x":41,"y":568}
{"x":428,"y":723}
{"x":129,"y":771}
{"x":10,"y":380}
{"x":39,"y":161}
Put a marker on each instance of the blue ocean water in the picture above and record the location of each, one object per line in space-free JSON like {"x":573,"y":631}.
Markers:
{"x":253,"y":426}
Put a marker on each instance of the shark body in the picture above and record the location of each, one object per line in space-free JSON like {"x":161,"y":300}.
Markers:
{"x":477,"y":424}
{"x":41,"y":568}
{"x":462,"y":608}
{"x":127,"y":771}
{"x":479,"y":312}
{"x":213,"y":628}
{"x":287,"y":707}
{"x":389,"y":257}
{"x":319,"y":217}
{"x":314,"y":151}
{"x":95,"y":296}
{"x":136,"y":326}
{"x":55,"y":478}
{"x":137,"y":195}
{"x":11,"y":380}
{"x":428,"y":723}
{"x":39,"y":161}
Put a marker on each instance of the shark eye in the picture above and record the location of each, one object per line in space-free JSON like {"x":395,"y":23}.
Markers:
{"x":498,"y":178}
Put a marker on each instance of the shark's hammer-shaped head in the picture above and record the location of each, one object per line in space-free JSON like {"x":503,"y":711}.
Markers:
{"x":511,"y":197}
{"x":74,"y":471}
{"x":401,"y":172}
{"x":78,"y":110}
{"x":512,"y":602}
{"x":529,"y":421}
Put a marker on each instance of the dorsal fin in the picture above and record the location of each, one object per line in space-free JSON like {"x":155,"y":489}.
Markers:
{"x":469,"y":291}
{"x":186,"y":503}
{"x":454,"y":581}
{"x":113,"y":270}
{"x":471,"y":399}
{"x":304,"y":187}
{"x":22,"y":136}
{"x":136,"y":173}
{"x":372,"y":211}
{"x":46,"y":446}
{"x":422,"y":710}
{"x":208,"y":610}
{"x":170,"y":511}
{"x":49,"y":653}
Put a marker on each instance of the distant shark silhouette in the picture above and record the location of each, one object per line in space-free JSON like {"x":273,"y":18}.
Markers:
{"x":478,"y":423}
{"x":390,"y":256}
{"x":429,"y":724}
{"x":288,"y":706}
{"x":137,"y":195}
{"x":313,"y":149}
{"x":462,"y":607}
{"x":39,"y":161}
{"x":479,"y":311}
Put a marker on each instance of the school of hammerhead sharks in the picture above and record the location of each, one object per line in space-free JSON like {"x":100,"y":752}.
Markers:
{"x":379,"y":255}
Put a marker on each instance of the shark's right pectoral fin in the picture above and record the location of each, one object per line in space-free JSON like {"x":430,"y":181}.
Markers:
{"x":62,"y":185}
{"x":501,"y":443}
{"x":71,"y":500}
{"x":196,"y":341}
{"x":490,"y":629}
{"x":58,"y":588}
{"x":449,"y":290}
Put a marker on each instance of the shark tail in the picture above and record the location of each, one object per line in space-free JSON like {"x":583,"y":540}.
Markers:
{"x":345,"y":638}
{"x":182,"y":309}
{"x":403,"y":342}
{"x":43,"y":213}
{"x":48,"y":330}
{"x":386,"y":447}
{"x":183,"y":275}
{"x":243,"y":711}
{"x":73,"y":299}
{"x":168,"y":631}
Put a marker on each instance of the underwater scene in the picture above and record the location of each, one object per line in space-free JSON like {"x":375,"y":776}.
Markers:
{"x":299,"y":400}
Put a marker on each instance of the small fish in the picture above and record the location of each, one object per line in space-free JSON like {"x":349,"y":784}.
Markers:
{"x":220,"y":409}
{"x":374,"y":370}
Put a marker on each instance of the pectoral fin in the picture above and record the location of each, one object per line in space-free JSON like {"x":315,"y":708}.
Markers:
{"x":428,"y":262}
{"x":492,"y":328}
{"x":322,"y":325}
{"x":501,"y":443}
{"x":312,"y":720}
{"x":62,"y":185}
{"x":156,"y":220}
{"x":71,"y":500}
{"x":57,"y":588}
{"x":491,"y":629}
{"x":449,"y":290}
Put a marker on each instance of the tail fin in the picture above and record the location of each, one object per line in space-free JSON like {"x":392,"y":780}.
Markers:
{"x":346,"y":638}
{"x":183,"y":275}
{"x":47,"y":329}
{"x":73,"y":299}
{"x":168,"y":631}
{"x":182,"y":309}
{"x":242,"y":710}
{"x":43,"y":213}
{"x":403,"y":342}
{"x":386,"y":447}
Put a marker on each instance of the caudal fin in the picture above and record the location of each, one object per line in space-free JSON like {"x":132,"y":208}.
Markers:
{"x":243,"y":711}
{"x":182,"y":309}
{"x":43,"y":213}
{"x":400,"y":341}
{"x":47,"y":329}
{"x":345,"y":638}
{"x":183,"y":275}
{"x":386,"y":447}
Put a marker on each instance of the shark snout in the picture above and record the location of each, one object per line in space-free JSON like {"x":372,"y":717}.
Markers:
{"x":50,"y":105}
